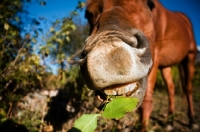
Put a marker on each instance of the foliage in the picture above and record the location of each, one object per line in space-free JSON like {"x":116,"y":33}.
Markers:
{"x":14,"y":51}
{"x":114,"y":109}
{"x":21,"y":70}
{"x":176,"y":78}
{"x":196,"y":79}
{"x":118,"y":107}
{"x":86,"y":123}
{"x":65,"y":39}
{"x":31,"y":119}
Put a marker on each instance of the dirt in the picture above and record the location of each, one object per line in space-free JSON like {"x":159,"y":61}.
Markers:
{"x":159,"y":114}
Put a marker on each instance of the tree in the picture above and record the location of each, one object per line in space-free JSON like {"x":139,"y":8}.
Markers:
{"x":20,"y":68}
{"x":65,"y":39}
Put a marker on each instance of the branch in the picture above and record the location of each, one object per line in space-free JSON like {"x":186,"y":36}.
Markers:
{"x":13,"y":63}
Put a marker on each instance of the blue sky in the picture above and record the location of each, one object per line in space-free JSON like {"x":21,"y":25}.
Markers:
{"x":60,"y":8}
{"x":54,"y":9}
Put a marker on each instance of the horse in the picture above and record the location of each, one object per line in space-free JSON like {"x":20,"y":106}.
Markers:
{"x":129,"y":41}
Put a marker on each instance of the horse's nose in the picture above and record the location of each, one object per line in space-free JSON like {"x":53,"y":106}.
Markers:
{"x":109,"y":63}
{"x":116,"y":60}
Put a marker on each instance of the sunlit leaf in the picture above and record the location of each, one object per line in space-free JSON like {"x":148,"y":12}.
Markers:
{"x":35,"y":59}
{"x":52,"y":29}
{"x":38,"y":77}
{"x":34,"y":40}
{"x":2,"y":113}
{"x":57,"y":33}
{"x":6,"y":26}
{"x":86,"y":123}
{"x":26,"y":69}
{"x":1,"y":40}
{"x":43,"y":3}
{"x":119,"y":106}
{"x":59,"y":40}
{"x":67,"y":32}
{"x":73,"y":27}
{"x":67,"y":38}
{"x":27,"y":36}
{"x":74,"y":13}
{"x":81,"y":5}
{"x":56,"y":22}
{"x":14,"y":42}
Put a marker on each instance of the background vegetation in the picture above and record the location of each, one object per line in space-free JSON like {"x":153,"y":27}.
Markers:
{"x":25,"y":74}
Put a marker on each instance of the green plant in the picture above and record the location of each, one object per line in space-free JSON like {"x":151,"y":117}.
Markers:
{"x":22,"y":70}
{"x":175,"y":75}
{"x":196,"y":79}
{"x":116,"y":108}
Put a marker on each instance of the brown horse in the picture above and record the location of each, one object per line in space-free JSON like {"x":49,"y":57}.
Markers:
{"x":129,"y":41}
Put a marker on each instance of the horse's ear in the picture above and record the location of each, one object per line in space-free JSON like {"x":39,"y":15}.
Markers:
{"x":150,"y":4}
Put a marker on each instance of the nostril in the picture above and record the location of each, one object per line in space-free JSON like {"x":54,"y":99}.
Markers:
{"x":133,"y":42}
{"x":83,"y":58}
{"x":130,"y":40}
{"x":136,"y":40}
{"x":142,"y":41}
{"x":83,"y":54}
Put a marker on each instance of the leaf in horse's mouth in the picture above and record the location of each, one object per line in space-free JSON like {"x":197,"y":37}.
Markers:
{"x":118,"y":106}
{"x":102,"y":97}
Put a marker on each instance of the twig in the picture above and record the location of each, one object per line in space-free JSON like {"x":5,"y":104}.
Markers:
{"x":7,"y":84}
{"x":9,"y":111}
{"x":13,"y":63}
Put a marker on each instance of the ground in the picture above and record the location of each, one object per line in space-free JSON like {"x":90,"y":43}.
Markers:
{"x":159,"y":115}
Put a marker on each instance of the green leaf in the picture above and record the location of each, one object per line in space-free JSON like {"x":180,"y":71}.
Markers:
{"x":119,"y":106}
{"x":86,"y":123}
{"x":2,"y":113}
{"x":34,"y":40}
{"x":60,"y":41}
{"x":81,"y":5}
{"x":52,"y":29}
{"x":6,"y":26}
{"x":39,"y":77}
{"x":67,"y":38}
{"x":73,"y":27}
{"x":43,"y":3}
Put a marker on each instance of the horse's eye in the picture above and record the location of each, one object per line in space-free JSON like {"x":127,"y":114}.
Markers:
{"x":150,"y":4}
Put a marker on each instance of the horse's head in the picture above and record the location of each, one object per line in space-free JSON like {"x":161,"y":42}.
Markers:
{"x":117,"y":56}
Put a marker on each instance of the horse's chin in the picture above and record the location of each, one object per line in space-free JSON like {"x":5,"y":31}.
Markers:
{"x":135,"y":89}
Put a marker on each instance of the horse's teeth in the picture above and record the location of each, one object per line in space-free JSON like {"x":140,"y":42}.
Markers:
{"x":110,"y":92}
{"x":121,"y":89}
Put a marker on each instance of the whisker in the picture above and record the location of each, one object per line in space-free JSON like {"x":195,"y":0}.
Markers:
{"x":77,"y":62}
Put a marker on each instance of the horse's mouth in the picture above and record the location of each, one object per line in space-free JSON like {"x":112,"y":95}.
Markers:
{"x":105,"y":95}
{"x":122,"y":90}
